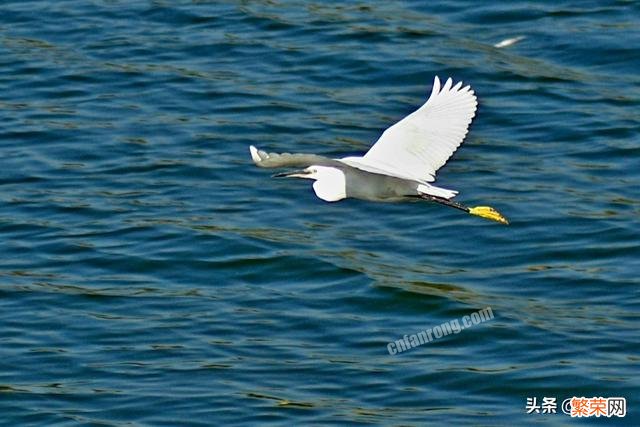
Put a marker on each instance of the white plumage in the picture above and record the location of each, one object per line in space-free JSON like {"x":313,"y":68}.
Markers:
{"x":421,"y":143}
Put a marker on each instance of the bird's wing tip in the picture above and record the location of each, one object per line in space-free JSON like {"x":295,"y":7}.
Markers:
{"x":435,"y":90}
{"x":448,"y":86}
{"x":255,"y":156}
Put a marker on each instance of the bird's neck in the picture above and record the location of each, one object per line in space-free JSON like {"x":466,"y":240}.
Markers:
{"x":331,"y":186}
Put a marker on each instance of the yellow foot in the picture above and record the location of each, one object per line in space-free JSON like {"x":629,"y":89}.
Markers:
{"x":489,"y":213}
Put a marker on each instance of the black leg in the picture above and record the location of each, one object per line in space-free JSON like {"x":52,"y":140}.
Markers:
{"x":481,"y":211}
{"x":444,"y":201}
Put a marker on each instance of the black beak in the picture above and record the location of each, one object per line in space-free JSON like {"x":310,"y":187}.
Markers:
{"x":292,"y":174}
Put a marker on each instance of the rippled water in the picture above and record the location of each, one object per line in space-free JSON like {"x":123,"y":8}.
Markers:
{"x":151,"y":274}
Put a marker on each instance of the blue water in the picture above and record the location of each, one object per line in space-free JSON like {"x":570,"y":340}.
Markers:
{"x":150,"y":274}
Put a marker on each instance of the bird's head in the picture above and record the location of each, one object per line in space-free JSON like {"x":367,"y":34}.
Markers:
{"x":330,"y":182}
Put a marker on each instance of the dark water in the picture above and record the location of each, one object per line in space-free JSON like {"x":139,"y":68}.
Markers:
{"x":151,"y":275}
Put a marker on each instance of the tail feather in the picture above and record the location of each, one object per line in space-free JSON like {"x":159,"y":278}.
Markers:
{"x":436,"y":191}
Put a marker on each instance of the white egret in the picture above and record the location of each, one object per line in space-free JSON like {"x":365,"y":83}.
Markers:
{"x":402,"y":163}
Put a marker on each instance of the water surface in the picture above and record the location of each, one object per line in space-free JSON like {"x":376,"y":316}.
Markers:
{"x":152,"y":275}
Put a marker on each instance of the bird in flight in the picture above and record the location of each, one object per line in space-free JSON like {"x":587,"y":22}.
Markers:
{"x":402,"y":164}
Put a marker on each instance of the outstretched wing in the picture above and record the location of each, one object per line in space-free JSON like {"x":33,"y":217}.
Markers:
{"x":421,"y":143}
{"x":275,"y":160}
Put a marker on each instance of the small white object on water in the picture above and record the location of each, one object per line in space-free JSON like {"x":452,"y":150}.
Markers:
{"x":509,"y":42}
